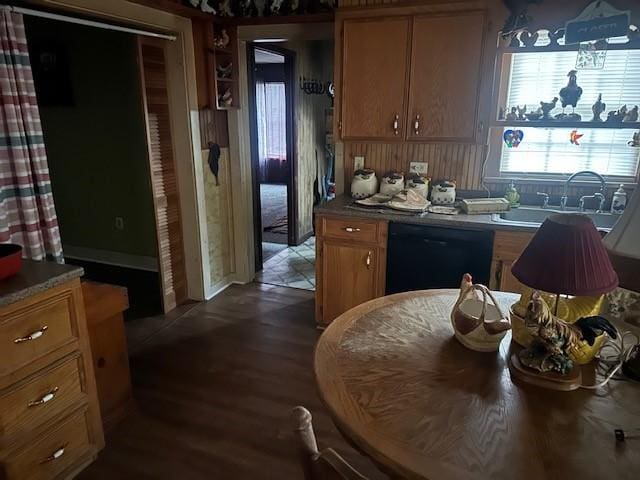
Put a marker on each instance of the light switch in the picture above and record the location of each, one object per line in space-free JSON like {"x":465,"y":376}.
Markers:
{"x":418,"y":167}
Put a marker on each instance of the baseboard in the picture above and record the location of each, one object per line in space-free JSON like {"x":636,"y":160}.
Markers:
{"x":108,"y":257}
{"x":218,"y":288}
{"x":305,"y":237}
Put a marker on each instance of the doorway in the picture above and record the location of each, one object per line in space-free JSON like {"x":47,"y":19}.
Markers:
{"x":271,"y":74}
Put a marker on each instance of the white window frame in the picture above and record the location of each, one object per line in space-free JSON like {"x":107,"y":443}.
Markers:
{"x":492,"y":173}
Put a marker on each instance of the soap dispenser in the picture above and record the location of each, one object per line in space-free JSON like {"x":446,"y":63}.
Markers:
{"x":619,"y":201}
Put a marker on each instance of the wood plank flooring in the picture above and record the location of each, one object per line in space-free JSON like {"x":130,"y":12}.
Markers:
{"x":214,"y":387}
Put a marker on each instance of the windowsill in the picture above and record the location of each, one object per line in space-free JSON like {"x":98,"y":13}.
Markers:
{"x":555,"y":181}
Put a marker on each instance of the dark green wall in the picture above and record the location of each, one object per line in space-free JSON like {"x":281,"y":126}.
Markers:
{"x":97,"y":148}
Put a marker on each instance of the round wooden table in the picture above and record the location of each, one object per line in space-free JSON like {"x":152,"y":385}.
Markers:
{"x":402,"y":388}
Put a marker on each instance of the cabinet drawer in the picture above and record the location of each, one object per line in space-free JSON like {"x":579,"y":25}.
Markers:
{"x":51,"y":454}
{"x":40,"y":398}
{"x":29,"y":333}
{"x":350,"y":229}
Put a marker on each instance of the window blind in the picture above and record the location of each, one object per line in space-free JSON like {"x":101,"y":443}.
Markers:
{"x":537,"y":76}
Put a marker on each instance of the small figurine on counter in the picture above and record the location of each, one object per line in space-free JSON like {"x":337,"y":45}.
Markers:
{"x":635,"y":141}
{"x":554,"y":338}
{"x":512,"y":116}
{"x":522,"y":112}
{"x":631,"y":115}
{"x":570,"y":95}
{"x":617,"y":116}
{"x":512,"y":195}
{"x":547,"y":107}
{"x":598,"y":108}
{"x":619,"y":201}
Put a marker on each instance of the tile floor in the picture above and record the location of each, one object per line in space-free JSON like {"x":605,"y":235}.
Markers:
{"x":293,"y":267}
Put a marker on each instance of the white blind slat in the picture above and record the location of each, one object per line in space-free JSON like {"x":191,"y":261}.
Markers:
{"x":539,"y":76}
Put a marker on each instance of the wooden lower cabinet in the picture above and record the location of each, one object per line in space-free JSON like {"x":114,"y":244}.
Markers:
{"x":507,"y":247}
{"x":351,"y":257}
{"x":49,"y":415}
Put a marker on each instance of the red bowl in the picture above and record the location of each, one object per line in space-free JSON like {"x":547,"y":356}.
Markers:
{"x":10,"y":260}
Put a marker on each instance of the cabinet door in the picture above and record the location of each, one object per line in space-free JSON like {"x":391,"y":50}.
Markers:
{"x":445,"y":77}
{"x":506,"y":281}
{"x":374,"y":78}
{"x":349,"y":277}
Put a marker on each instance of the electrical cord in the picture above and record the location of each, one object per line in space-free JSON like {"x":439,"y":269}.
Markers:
{"x":611,"y":363}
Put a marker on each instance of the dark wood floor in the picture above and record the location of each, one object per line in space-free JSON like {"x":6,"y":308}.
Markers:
{"x":214,"y":388}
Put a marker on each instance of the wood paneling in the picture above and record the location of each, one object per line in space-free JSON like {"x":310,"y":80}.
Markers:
{"x":163,"y":173}
{"x":446,"y":56}
{"x":215,"y":388}
{"x":459,"y":162}
{"x":374,"y":78}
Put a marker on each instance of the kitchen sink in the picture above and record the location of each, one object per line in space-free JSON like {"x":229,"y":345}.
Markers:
{"x":537,"y":215}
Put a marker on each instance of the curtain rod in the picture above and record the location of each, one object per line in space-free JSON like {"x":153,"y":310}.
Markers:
{"x":88,"y":23}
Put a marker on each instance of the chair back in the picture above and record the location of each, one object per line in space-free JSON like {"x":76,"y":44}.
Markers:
{"x":325,"y":465}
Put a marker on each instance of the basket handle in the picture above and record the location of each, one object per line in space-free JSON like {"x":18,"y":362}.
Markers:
{"x":486,"y":293}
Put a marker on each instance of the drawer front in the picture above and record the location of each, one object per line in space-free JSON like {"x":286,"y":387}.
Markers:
{"x":51,"y":454}
{"x":40,"y":398}
{"x":351,"y":229}
{"x":36,"y":330}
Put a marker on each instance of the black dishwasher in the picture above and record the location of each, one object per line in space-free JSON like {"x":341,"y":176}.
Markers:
{"x":421,"y":257}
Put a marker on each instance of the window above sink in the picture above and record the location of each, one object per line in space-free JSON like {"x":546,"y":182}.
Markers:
{"x":551,"y":149}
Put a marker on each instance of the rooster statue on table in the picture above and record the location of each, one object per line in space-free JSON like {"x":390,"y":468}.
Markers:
{"x":570,"y":95}
{"x":554,"y":338}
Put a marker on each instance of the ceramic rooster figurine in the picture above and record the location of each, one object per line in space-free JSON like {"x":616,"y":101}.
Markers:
{"x":570,"y":95}
{"x":598,"y":108}
{"x":477,"y":324}
{"x":554,"y":338}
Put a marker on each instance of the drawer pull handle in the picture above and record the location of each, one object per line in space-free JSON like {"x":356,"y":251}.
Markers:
{"x":351,"y":229}
{"x":32,"y":336}
{"x":45,"y":398}
{"x":55,"y":455}
{"x":368,"y":260}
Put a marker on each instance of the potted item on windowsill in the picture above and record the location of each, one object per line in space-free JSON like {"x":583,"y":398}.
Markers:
{"x":10,"y":260}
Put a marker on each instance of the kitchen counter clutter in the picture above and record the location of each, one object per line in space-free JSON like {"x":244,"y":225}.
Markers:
{"x":50,"y":424}
{"x":366,"y":252}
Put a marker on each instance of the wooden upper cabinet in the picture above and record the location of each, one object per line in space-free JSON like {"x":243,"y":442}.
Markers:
{"x":444,"y":88}
{"x":445,"y":76}
{"x":374,"y":78}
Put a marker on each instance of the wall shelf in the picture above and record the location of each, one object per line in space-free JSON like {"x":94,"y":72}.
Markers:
{"x":564,"y":124}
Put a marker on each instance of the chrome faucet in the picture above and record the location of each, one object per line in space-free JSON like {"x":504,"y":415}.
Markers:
{"x":601,"y":195}
{"x":545,"y":198}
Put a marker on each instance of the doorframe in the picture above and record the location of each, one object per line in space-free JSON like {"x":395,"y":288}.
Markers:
{"x":292,"y":173}
{"x":182,"y":89}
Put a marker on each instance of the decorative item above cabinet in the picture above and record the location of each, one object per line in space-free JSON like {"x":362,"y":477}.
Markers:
{"x":413,"y":77}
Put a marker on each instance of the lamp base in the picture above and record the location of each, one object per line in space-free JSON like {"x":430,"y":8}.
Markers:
{"x":551,"y":380}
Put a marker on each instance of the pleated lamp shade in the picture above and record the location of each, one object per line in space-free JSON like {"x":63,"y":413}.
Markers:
{"x":566,"y":256}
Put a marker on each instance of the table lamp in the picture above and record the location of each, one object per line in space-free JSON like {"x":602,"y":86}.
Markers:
{"x":566,"y":257}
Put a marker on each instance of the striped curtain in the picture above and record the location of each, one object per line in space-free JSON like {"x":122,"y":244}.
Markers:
{"x":27,"y":212}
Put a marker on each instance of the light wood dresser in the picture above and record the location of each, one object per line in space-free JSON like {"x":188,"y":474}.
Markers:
{"x":50,"y":425}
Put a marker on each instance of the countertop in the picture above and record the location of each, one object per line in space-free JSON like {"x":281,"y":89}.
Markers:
{"x":35,"y":277}
{"x":344,"y":205}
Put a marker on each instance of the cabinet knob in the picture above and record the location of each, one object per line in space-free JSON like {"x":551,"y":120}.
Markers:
{"x":44,"y":399}
{"x":368,"y":260}
{"x":396,"y":125}
{"x":55,"y":455}
{"x":32,"y":336}
{"x":416,"y":125}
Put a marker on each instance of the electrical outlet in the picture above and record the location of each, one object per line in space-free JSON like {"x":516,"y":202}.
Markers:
{"x":358,"y":162}
{"x":119,"y":223}
{"x":419,"y":168}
